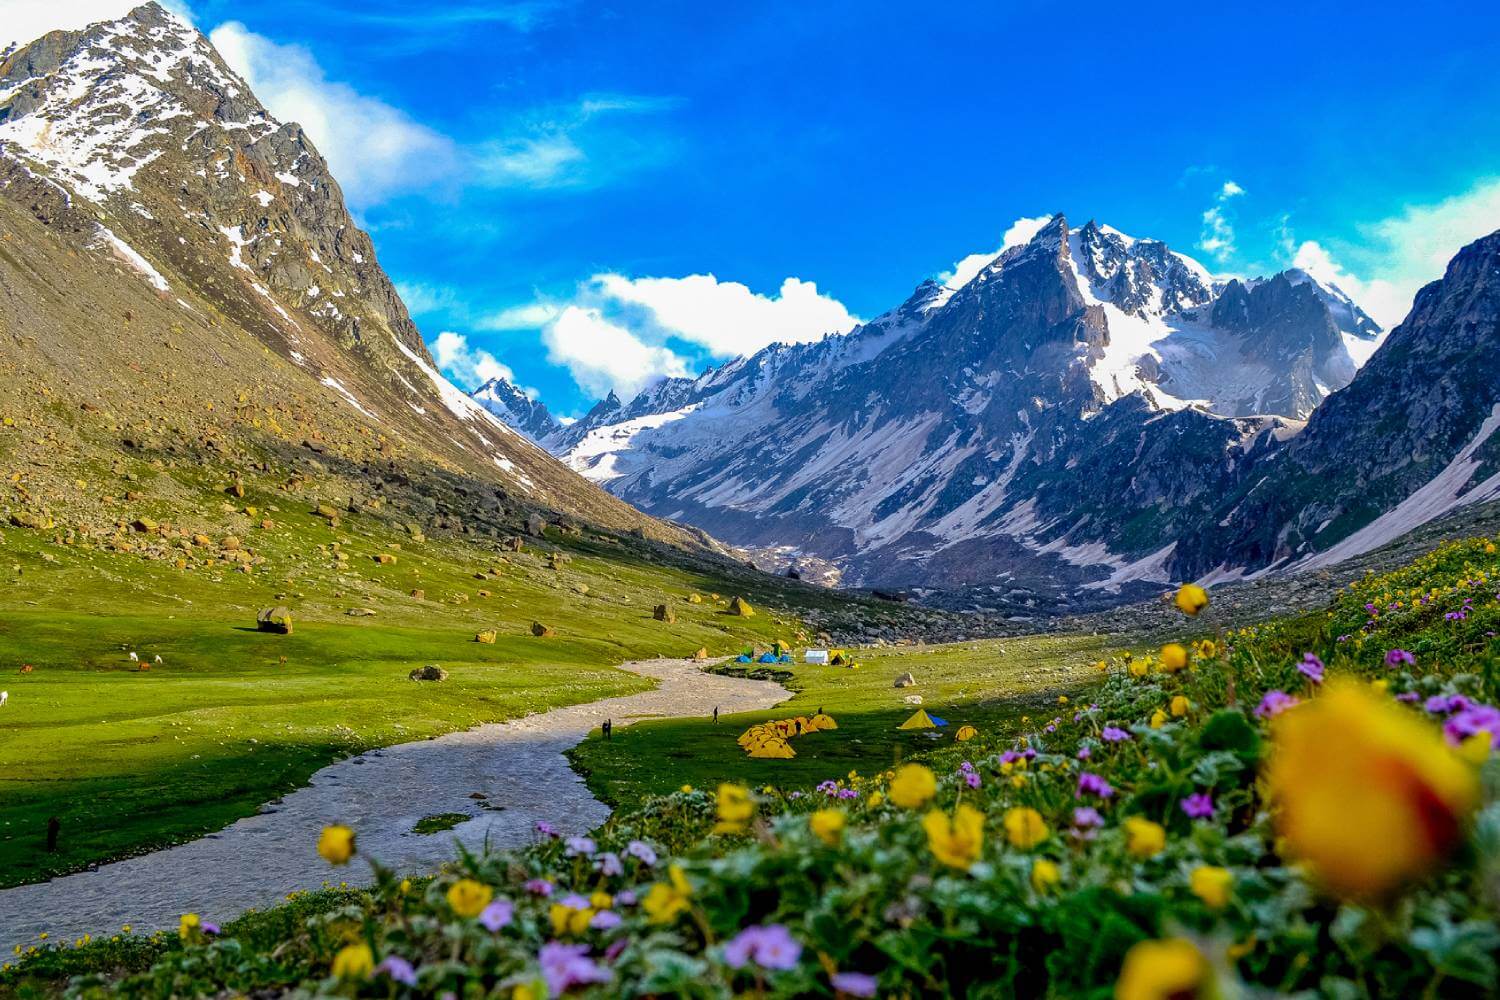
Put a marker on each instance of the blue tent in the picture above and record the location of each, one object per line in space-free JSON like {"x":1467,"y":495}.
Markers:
{"x":936,"y":721}
{"x":743,"y":658}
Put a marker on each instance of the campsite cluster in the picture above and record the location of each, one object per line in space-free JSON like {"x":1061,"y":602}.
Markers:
{"x":1309,"y":805}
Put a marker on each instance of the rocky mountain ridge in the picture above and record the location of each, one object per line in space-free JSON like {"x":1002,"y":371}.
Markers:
{"x":191,"y":219}
{"x":1053,"y":423}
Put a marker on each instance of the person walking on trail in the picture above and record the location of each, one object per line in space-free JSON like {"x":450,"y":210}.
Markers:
{"x":716,"y":715}
{"x":609,"y":729}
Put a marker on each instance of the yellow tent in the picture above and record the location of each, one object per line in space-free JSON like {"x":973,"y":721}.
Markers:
{"x":773,"y":751}
{"x":919,"y":721}
{"x":966,"y":733}
{"x":822,"y":721}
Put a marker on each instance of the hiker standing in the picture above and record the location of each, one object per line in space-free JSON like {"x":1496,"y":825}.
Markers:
{"x":609,"y":729}
{"x":716,"y":715}
{"x":54,"y":826}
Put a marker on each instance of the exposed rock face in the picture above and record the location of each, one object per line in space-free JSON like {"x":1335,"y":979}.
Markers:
{"x":1413,"y":437}
{"x":1090,"y":415}
{"x":183,"y":207}
{"x":277,"y":619}
{"x":1055,"y":422}
{"x":527,"y":415}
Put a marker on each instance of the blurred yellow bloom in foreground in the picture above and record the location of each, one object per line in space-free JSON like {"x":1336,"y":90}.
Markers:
{"x":1024,"y":827}
{"x":666,"y":900}
{"x":1365,"y":793}
{"x":336,"y":844}
{"x":912,"y":787}
{"x":354,"y":961}
{"x":1143,"y":838}
{"x":468,"y":897}
{"x":1174,"y":657}
{"x":827,"y":825}
{"x":1158,"y":970}
{"x":1211,"y":884}
{"x":1191,"y":598}
{"x":957,"y":840}
{"x":1044,"y":875}
{"x":735,"y":807}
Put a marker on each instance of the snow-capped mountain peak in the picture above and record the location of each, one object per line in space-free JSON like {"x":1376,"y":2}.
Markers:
{"x":516,"y":408}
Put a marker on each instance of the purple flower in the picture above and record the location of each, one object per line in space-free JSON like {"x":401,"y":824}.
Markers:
{"x":1273,"y":704}
{"x":1311,"y":667}
{"x":1093,"y":784}
{"x":1009,"y":757}
{"x":848,"y":793}
{"x":1114,"y":734}
{"x":1472,"y":721}
{"x":399,"y":969}
{"x":605,"y":920}
{"x":1029,"y":753}
{"x":580,"y":846}
{"x":497,"y":915}
{"x":829,"y":787}
{"x":1199,"y":805}
{"x":574,"y":901}
{"x":966,"y":767}
{"x":1445,"y":704}
{"x":609,"y":864}
{"x":625,"y":898}
{"x":1084,"y":753}
{"x":642,"y":852}
{"x":538,"y":887}
{"x":1409,"y":697}
{"x":854,"y":984}
{"x":1087,"y":817}
{"x":565,"y":966}
{"x":1396,"y":657}
{"x":770,"y":947}
{"x":546,"y":829}
{"x":971,"y":778}
{"x":208,"y":927}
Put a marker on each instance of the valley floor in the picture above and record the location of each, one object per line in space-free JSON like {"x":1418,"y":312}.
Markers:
{"x":506,"y":777}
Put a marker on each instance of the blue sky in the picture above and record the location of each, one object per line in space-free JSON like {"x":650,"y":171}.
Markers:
{"x":526,"y":167}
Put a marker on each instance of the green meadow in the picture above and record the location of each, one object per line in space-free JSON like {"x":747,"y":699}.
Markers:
{"x":990,"y":684}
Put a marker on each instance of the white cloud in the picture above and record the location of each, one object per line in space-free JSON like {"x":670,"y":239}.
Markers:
{"x":726,"y":317}
{"x":964,"y":271}
{"x":533,"y":161}
{"x":1217,"y":237}
{"x":23,"y":21}
{"x":373,"y":148}
{"x":1401,"y":253}
{"x":469,"y":367}
{"x":604,"y":356}
{"x":526,"y":317}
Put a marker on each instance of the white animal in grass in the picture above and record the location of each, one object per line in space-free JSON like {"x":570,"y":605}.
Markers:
{"x":4,"y":697}
{"x":158,"y":658}
{"x":134,"y":658}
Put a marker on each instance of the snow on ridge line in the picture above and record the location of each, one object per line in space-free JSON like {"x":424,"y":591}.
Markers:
{"x":349,"y":397}
{"x":1440,"y":494}
{"x":134,"y":259}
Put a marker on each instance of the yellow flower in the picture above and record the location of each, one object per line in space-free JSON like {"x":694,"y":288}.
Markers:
{"x":1180,"y":706}
{"x":523,"y":991}
{"x":1024,"y":827}
{"x":1174,"y":657}
{"x":1191,"y":599}
{"x":336,"y":844}
{"x":187,"y":926}
{"x":913,"y":786}
{"x":1139,"y":668}
{"x":404,"y":887}
{"x":955,"y":841}
{"x":1062,"y":699}
{"x":685,"y":789}
{"x":1476,"y":748}
{"x":1207,"y":649}
{"x":601,"y":900}
{"x":1211,"y":884}
{"x":354,"y":961}
{"x":1158,"y":719}
{"x":1144,"y":838}
{"x":874,"y":800}
{"x":1044,"y":875}
{"x":568,"y":920}
{"x":1159,"y":970}
{"x":1366,"y":794}
{"x":665,"y":901}
{"x":468,"y":898}
{"x":735,"y":808}
{"x":827,"y":825}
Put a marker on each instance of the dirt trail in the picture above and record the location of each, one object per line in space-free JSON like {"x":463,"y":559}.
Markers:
{"x":518,"y":765}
